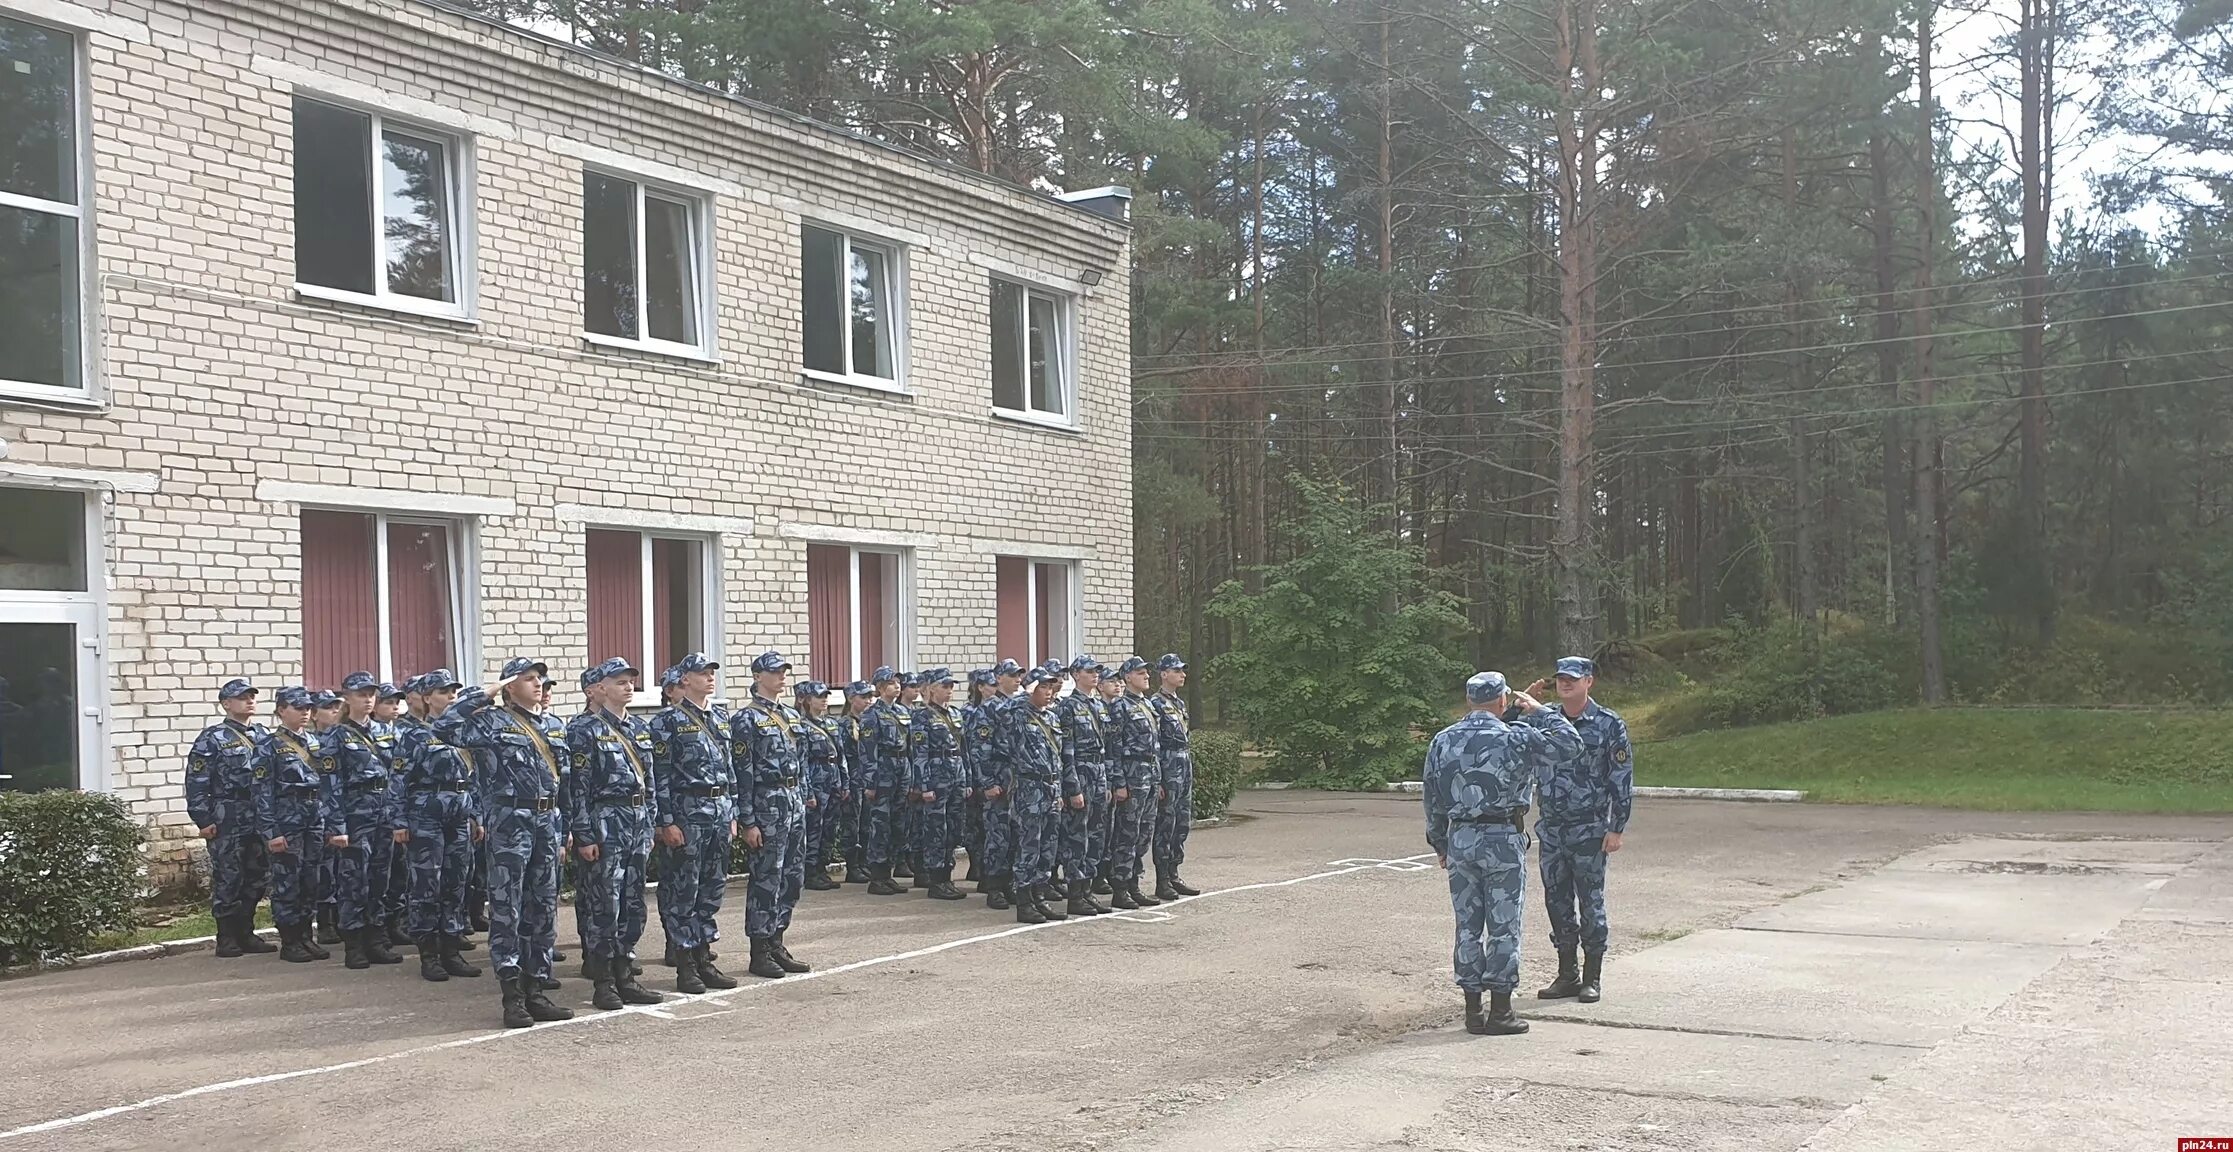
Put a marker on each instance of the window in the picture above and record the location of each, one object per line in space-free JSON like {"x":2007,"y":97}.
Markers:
{"x":859,"y":611}
{"x":643,"y":263}
{"x":1037,"y":616}
{"x":1031,"y":370}
{"x":50,"y":640}
{"x":376,"y":210}
{"x":381,"y":593}
{"x":850,"y":308}
{"x":43,"y":225}
{"x":652,"y":599}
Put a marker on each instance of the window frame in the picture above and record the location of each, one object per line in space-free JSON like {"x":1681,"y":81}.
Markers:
{"x":700,"y":207}
{"x":1075,"y":604}
{"x":903,"y":626}
{"x":87,"y":611}
{"x":88,"y":391}
{"x":896,"y":304}
{"x":465,"y":585}
{"x":709,"y":598}
{"x":1066,"y":345}
{"x":462,"y":264}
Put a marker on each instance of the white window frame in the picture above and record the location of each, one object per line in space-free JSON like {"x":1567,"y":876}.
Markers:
{"x":88,"y":294}
{"x":895,"y":295}
{"x":87,"y":611}
{"x":701,"y":267}
{"x":1075,"y":608}
{"x":709,"y":603}
{"x":465,"y":585}
{"x":904,"y":629}
{"x":1066,"y":352}
{"x":464,"y":240}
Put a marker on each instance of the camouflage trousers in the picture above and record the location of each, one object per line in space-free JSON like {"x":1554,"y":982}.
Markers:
{"x":822,"y":828}
{"x":1174,"y":817}
{"x":609,"y":891}
{"x":239,"y":870}
{"x":1488,"y":875}
{"x":907,"y":821}
{"x":297,"y":876}
{"x":522,"y":891}
{"x":778,"y":870}
{"x":877,"y":825}
{"x":1032,"y":812}
{"x":973,"y":829}
{"x":440,"y":857}
{"x":937,"y":828}
{"x":360,"y":874}
{"x":1131,"y":829}
{"x":1085,"y":831}
{"x":1573,"y":858}
{"x":693,"y":878}
{"x":999,"y":836}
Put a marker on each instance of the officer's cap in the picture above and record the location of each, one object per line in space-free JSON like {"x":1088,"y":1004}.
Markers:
{"x":390,"y":692}
{"x":519,"y":666}
{"x":1132,"y":664}
{"x":1007,"y":668}
{"x":937,"y":676}
{"x":808,"y":688}
{"x":860,"y":688}
{"x":1083,"y":664}
{"x":1170,"y":663}
{"x":606,"y":670}
{"x":359,"y":681}
{"x":294,"y":696}
{"x":884,"y":674}
{"x":1485,"y":686}
{"x":326,"y":698}
{"x":1576,"y":666}
{"x":696,"y":662}
{"x":236,"y":687}
{"x":770,"y":661}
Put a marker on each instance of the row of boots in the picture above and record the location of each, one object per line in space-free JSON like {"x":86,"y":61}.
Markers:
{"x":1577,"y":982}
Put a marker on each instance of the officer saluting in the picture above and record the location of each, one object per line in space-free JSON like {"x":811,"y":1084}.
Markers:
{"x":1478,"y":776}
{"x":1584,"y":801}
{"x":221,"y":801}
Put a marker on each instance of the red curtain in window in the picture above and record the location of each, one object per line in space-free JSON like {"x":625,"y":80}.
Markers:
{"x":676,"y":601}
{"x":1045,"y":598}
{"x":1012,"y":614}
{"x":420,"y":599}
{"x":829,"y":613}
{"x":340,"y":597}
{"x":878,"y":582}
{"x":616,"y":594}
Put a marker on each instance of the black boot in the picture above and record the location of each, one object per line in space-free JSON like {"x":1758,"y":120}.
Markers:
{"x":687,"y":980}
{"x":228,"y":943}
{"x":818,"y":878}
{"x":376,"y":945}
{"x":310,"y":940}
{"x":1593,"y":967}
{"x":558,"y":956}
{"x":324,"y":930}
{"x":397,"y":937}
{"x":291,"y":943}
{"x":465,"y":943}
{"x":1043,"y":898}
{"x":1501,"y":1020}
{"x":1475,"y":1022}
{"x":1180,"y":886}
{"x":1141,"y":898}
{"x":781,"y":953}
{"x":1120,"y":896}
{"x":635,"y":967}
{"x":244,"y":933}
{"x":1165,"y":891}
{"x":902,"y":869}
{"x":514,"y":992}
{"x":763,"y":965}
{"x":546,"y":984}
{"x":453,"y":963}
{"x":539,"y":1006}
{"x":996,"y":895}
{"x":1094,"y":907}
{"x":1077,"y":904}
{"x":352,"y":945}
{"x":1101,"y":884}
{"x":476,"y":918}
{"x":881,"y":884}
{"x":1028,"y":910}
{"x":430,"y":959}
{"x":631,"y":989}
{"x":971,"y":877}
{"x":1569,"y":977}
{"x":673,"y":957}
{"x":603,"y":993}
{"x":856,"y":868}
{"x":942,"y":887}
{"x":711,"y":976}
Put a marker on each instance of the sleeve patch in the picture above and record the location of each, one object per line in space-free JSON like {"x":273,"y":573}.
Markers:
{"x":1620,"y":755}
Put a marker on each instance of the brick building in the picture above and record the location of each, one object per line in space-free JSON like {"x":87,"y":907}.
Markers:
{"x":370,"y":333}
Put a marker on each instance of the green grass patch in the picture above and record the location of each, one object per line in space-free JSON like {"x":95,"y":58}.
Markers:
{"x":2014,"y":759}
{"x":159,"y":924}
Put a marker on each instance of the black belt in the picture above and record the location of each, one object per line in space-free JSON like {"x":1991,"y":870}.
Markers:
{"x":704,"y":790}
{"x":1516,"y":817}
{"x":632,"y":800}
{"x":539,"y":803}
{"x":300,"y":789}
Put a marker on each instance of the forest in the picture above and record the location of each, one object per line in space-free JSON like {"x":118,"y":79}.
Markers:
{"x":1895,"y":324}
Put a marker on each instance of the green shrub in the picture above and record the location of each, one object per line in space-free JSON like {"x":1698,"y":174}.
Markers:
{"x":1217,"y":771}
{"x":70,"y":869}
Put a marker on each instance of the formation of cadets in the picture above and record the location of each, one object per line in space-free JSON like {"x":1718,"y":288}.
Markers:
{"x":377,"y":817}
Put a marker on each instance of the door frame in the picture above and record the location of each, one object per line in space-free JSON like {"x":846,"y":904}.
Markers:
{"x":86,"y":611}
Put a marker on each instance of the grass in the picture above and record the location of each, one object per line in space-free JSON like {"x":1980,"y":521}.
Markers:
{"x":2015,"y":759}
{"x":159,"y":924}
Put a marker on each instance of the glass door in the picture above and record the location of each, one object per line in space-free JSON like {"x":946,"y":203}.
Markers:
{"x":42,"y":711}
{"x":50,"y":673}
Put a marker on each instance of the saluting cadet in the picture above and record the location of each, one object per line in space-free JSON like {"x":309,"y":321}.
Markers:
{"x":771,"y":813}
{"x":1035,"y":761}
{"x":694,"y":788}
{"x":519,"y":789}
{"x":366,"y":798}
{"x":938,"y":783}
{"x":1584,"y":801}
{"x":221,"y":801}
{"x":1174,"y":817}
{"x":608,"y":814}
{"x":885,"y":742}
{"x":1138,"y":779}
{"x":825,"y":780}
{"x":295,"y":823}
{"x":1085,"y":740}
{"x":442,"y":834}
{"x":859,"y":695}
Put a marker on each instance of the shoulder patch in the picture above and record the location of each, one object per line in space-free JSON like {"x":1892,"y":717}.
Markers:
{"x":1620,"y":755}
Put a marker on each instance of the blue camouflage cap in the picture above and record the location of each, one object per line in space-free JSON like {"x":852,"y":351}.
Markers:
{"x":980,"y":676}
{"x":1132,"y":664}
{"x":235,"y":687}
{"x":1485,"y":686}
{"x":1007,"y":668}
{"x":696,"y":662}
{"x":607,"y":669}
{"x":294,"y":696}
{"x":1082,"y":664}
{"x":439,"y":680}
{"x":670,"y":676}
{"x":519,"y":666}
{"x":390,"y":692}
{"x":325,"y":698}
{"x":359,"y":681}
{"x":770,"y":661}
{"x":1051,"y":666}
{"x":1576,"y":666}
{"x":860,"y":688}
{"x":1039,"y":676}
{"x":884,"y":674}
{"x":1104,"y":671}
{"x":808,"y":688}
{"x":1170,"y":662}
{"x":911,"y":680}
{"x":415,"y":686}
{"x":936,"y":676}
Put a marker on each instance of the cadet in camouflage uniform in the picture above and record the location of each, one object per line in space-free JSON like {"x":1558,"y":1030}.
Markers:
{"x":885,"y":742}
{"x":825,"y":779}
{"x":694,"y":785}
{"x":442,"y":833}
{"x":387,"y":735}
{"x":906,"y":816}
{"x":1479,"y":774}
{"x":848,"y":731}
{"x":366,"y":797}
{"x":521,"y":782}
{"x":670,"y":683}
{"x":325,"y":712}
{"x":1584,"y":802}
{"x":1109,"y":689}
{"x":1174,"y":817}
{"x":771,"y":813}
{"x":295,"y":824}
{"x":997,"y":786}
{"x":976,"y":756}
{"x":1034,"y":746}
{"x":609,"y":815}
{"x":1138,"y":772}
{"x":1087,"y":738}
{"x":938,"y":783}
{"x":221,"y":801}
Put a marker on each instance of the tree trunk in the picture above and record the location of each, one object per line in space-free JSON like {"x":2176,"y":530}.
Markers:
{"x":1888,"y":368}
{"x":1577,"y":195}
{"x":2037,"y":101}
{"x":1927,"y":479}
{"x":1384,"y":437}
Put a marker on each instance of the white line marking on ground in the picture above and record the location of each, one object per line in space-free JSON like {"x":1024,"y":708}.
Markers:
{"x":666,"y":1009}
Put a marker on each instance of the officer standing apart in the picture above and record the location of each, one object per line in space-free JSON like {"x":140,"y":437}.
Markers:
{"x":938,"y":783}
{"x":1583,"y":804}
{"x":693,"y":792}
{"x":608,"y":814}
{"x":771,"y":813}
{"x":825,"y":780}
{"x":442,"y":832}
{"x":519,"y":806}
{"x":1174,"y":817}
{"x":1478,"y":776}
{"x":221,"y":801}
{"x":295,"y":823}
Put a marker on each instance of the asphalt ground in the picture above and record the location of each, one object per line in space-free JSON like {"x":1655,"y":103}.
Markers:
{"x":1781,"y":973}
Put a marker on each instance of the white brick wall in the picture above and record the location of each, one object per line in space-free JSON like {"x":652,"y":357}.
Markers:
{"x":216,"y":377}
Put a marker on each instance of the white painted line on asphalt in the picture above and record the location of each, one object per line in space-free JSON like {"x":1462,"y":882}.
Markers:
{"x":1773,"y":795}
{"x":665,"y":1010}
